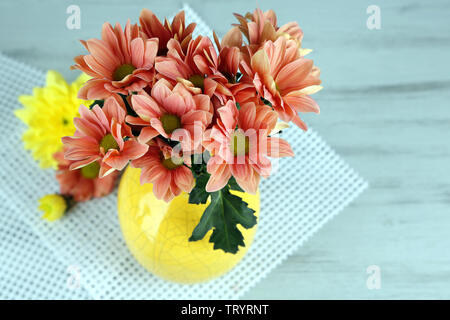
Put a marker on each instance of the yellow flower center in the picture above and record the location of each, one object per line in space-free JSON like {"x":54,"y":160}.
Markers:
{"x":91,"y":170}
{"x":121,"y":72}
{"x":108,"y":142}
{"x":197,"y":80}
{"x":170,"y":123}
{"x":171,"y":163}
{"x":240,"y":144}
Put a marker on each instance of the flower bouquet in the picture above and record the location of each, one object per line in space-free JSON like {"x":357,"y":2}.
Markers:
{"x":194,"y":116}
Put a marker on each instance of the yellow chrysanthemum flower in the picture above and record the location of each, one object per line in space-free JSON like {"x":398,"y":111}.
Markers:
{"x":53,"y":205}
{"x":49,"y":114}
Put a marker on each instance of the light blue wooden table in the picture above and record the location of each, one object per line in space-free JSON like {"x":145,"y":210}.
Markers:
{"x":385,"y":109}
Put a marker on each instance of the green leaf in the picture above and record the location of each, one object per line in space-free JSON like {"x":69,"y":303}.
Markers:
{"x":130,"y":110}
{"x":198,"y":168}
{"x":266,"y":102}
{"x":238,"y":76}
{"x":234,"y":185}
{"x":223,"y":214}
{"x":198,"y":194}
{"x":97,"y":102}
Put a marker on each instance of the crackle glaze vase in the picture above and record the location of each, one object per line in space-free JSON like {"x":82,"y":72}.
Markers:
{"x":157,"y":233}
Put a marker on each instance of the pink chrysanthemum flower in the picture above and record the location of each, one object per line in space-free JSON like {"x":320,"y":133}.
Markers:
{"x":228,"y":65}
{"x":167,"y":173}
{"x":229,"y":54}
{"x":284,"y":78}
{"x":100,"y":137}
{"x":259,"y":27}
{"x":173,"y":112}
{"x":197,"y":69}
{"x":121,"y":62}
{"x":239,"y":145}
{"x":83,"y":184}
{"x":153,"y":28}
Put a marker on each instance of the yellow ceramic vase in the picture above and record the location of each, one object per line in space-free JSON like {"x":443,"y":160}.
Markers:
{"x":157,"y":233}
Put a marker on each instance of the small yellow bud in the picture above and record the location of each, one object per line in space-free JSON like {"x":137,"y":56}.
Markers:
{"x":53,"y":205}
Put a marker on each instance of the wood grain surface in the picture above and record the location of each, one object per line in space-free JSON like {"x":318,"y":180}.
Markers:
{"x":385,"y":109}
